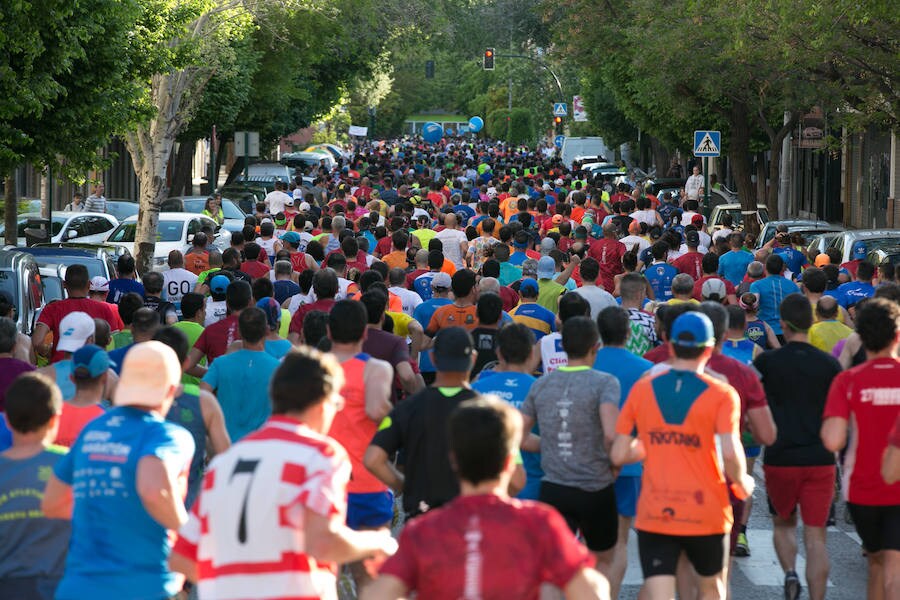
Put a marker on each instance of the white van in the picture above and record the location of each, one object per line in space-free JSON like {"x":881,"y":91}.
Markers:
{"x":574,"y":147}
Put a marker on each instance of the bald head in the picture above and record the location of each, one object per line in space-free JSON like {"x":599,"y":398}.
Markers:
{"x":450,"y":221}
{"x":609,"y":230}
{"x":422,"y":258}
{"x":489,"y":284}
{"x":827,"y":308}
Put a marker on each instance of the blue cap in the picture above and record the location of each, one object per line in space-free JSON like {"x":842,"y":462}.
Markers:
{"x":546,"y":267}
{"x":219,"y":284}
{"x":529,"y":285}
{"x":692,"y":330}
{"x":89,"y":362}
{"x":272,"y":309}
{"x":859,"y":249}
{"x":291,"y":237}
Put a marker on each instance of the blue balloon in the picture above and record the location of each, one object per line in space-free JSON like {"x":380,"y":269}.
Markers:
{"x":432,"y":132}
{"x":475,"y":124}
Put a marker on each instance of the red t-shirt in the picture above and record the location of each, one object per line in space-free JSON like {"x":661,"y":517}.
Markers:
{"x":383,"y":246}
{"x":698,"y":286}
{"x":215,"y":339}
{"x":851,"y":266}
{"x":690,"y":263}
{"x":296,"y":325}
{"x":894,"y":439}
{"x":54,"y":312}
{"x":411,"y":277}
{"x":298,"y":261}
{"x":509,"y":297}
{"x":870,"y":393}
{"x":255,"y":269}
{"x":608,"y":253}
{"x":742,"y":378}
{"x":462,"y":550}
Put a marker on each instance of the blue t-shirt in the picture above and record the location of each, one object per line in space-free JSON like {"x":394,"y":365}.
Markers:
{"x":423,"y":314}
{"x":627,"y":368}
{"x":537,"y":318}
{"x":422,"y":286}
{"x":120,"y":287}
{"x":284,"y":289}
{"x":852,"y":292}
{"x":278,"y":348}
{"x":741,"y":349}
{"x":241,"y":381}
{"x":372,"y":241}
{"x":733,"y":265}
{"x":513,"y":388}
{"x":517,"y":258}
{"x":117,"y":550}
{"x":771,"y":291}
{"x":793,"y":259}
{"x":660,"y":276}
{"x":117,"y":357}
{"x":5,"y":435}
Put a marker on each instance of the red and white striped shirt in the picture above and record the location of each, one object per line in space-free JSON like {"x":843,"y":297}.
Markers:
{"x":246,"y":530}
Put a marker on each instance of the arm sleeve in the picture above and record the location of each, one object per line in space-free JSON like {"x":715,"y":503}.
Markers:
{"x":611,"y":392}
{"x":564,"y":556}
{"x":433,"y":323}
{"x":403,"y":565}
{"x":838,"y":402}
{"x":728,"y":418}
{"x":171,"y":444}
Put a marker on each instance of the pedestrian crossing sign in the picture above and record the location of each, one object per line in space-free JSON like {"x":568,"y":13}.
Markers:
{"x":560,"y":109}
{"x":707,"y":143}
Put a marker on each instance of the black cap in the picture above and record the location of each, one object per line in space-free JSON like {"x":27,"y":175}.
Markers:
{"x":452,"y":350}
{"x":692,"y":238}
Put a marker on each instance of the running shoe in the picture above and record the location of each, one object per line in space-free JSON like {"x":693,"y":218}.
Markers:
{"x":792,"y":586}
{"x":742,"y":548}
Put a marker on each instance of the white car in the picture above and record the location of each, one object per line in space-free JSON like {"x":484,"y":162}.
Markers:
{"x":175,"y":232}
{"x":82,"y":227}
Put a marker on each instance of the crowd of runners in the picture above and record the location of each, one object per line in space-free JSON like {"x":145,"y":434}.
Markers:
{"x":510,"y":362}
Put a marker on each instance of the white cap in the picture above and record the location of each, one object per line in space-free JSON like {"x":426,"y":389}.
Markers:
{"x":289,"y":201}
{"x":74,"y":331}
{"x":304,"y":207}
{"x":99,"y":284}
{"x":298,"y":193}
{"x":559,"y":182}
{"x":149,"y":371}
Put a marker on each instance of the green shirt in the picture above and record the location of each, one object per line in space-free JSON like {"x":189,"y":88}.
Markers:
{"x":549,"y":292}
{"x":192,"y":331}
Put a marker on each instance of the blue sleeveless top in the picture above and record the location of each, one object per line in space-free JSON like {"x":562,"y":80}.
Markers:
{"x":186,"y":412}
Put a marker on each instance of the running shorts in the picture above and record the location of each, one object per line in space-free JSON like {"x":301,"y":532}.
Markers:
{"x":593,"y":513}
{"x":809,"y":487}
{"x":370,"y":510}
{"x":659,"y":553}
{"x":878,"y":526}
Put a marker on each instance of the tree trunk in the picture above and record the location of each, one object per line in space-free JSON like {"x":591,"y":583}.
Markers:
{"x":10,"y":214}
{"x":761,"y":173}
{"x":776,"y":140}
{"x":660,"y":157}
{"x":182,"y":174}
{"x":739,"y":159}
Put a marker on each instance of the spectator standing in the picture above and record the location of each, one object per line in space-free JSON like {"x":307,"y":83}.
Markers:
{"x":96,"y":202}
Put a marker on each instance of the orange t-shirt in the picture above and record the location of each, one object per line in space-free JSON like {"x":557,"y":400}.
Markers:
{"x":451,"y":315}
{"x":73,"y":420}
{"x":448,"y":267}
{"x":683,"y":490}
{"x":395,"y":259}
{"x":196,"y":262}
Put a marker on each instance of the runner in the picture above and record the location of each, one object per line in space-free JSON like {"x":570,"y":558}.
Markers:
{"x":462,"y":312}
{"x":32,"y":545}
{"x":439,"y":295}
{"x":614,"y":327}
{"x":418,"y":425}
{"x":680,"y":436}
{"x":553,"y":356}
{"x":293,"y":480}
{"x":367,"y":401}
{"x":863,"y":399}
{"x":771,"y":291}
{"x":596,"y":296}
{"x":537,"y":318}
{"x":10,"y":366}
{"x":325,"y":287}
{"x":90,"y":369}
{"x":178,"y":281}
{"x":121,"y":539}
{"x":462,"y":549}
{"x":799,"y":471}
{"x":576,"y":408}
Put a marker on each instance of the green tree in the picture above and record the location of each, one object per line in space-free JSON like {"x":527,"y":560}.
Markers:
{"x":66,"y":85}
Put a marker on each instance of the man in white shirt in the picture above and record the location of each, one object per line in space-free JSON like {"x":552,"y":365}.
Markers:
{"x":408,"y":298}
{"x":455,"y":243}
{"x":552,"y":354}
{"x":276,"y":199}
{"x":177,"y":281}
{"x":693,"y":185}
{"x":597,"y":298}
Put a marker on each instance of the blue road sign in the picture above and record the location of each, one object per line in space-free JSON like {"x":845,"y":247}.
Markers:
{"x":560,"y":109}
{"x":558,"y":141}
{"x":707,"y":143}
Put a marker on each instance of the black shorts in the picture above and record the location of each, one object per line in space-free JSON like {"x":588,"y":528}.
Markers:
{"x":660,"y":552}
{"x":593,"y":513}
{"x":878,"y":526}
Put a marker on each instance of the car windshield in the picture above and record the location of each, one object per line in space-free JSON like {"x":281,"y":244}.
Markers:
{"x":737,"y":217}
{"x":121,"y":210}
{"x":168,"y":231}
{"x":229,"y":208}
{"x":8,"y":283}
{"x":94,"y":265}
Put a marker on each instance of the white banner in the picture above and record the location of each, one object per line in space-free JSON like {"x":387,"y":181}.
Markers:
{"x":358,"y":131}
{"x":578,"y":112}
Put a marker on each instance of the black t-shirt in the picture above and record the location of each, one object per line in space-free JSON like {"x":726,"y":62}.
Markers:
{"x":419,"y":426}
{"x":485,"y":339}
{"x":622,"y":222}
{"x":238,"y":275}
{"x":161,"y":306}
{"x":796,"y":378}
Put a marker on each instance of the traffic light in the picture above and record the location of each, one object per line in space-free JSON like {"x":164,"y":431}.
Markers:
{"x":557,"y":124}
{"x":557,"y":120}
{"x":489,"y":59}
{"x":429,"y":69}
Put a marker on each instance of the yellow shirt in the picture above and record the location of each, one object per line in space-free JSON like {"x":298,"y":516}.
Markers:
{"x":401,"y":322}
{"x":824,"y":335}
{"x":680,"y":301}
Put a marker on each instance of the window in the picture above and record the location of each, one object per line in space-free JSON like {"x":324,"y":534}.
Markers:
{"x":167,"y":231}
{"x":97,"y":225}
{"x":79,"y":225}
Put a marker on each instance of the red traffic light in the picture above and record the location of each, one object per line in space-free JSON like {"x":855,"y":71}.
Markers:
{"x":488,"y":53}
{"x":557,"y":120}
{"x":488,"y":59}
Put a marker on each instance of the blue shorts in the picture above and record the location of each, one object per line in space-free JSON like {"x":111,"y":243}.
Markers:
{"x":370,"y":510}
{"x":628,"y":488}
{"x":752,"y":451}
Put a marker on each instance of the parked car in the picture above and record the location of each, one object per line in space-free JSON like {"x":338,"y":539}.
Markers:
{"x":306,"y":160}
{"x":97,"y":261}
{"x":20,"y":278}
{"x":808,"y":229}
{"x":270,"y":171}
{"x":114,"y":252}
{"x":52,"y":278}
{"x":234,"y":216}
{"x":820,"y":242}
{"x":719,"y":211}
{"x":175,"y":232}
{"x":885,"y":254}
{"x":247,"y":193}
{"x":336,"y":151}
{"x":122,"y":209}
{"x":874,"y":238}
{"x":64,"y":226}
